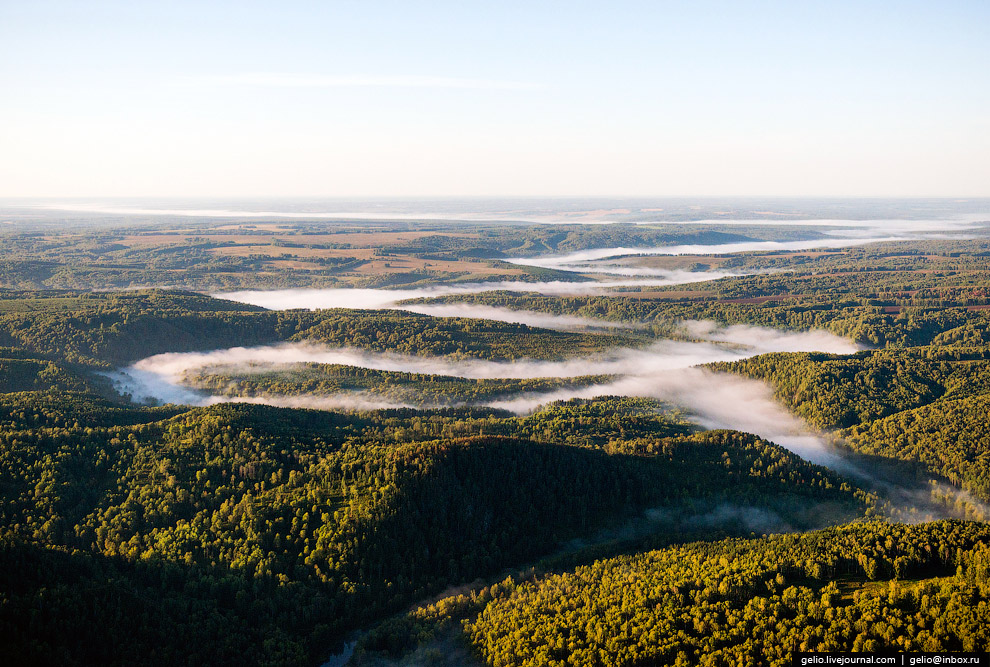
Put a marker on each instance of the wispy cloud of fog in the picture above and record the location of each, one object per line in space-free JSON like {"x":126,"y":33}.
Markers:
{"x":673,"y":276}
{"x":757,"y":519}
{"x":757,"y":338}
{"x":712,"y":400}
{"x":665,"y":370}
{"x":153,"y":383}
{"x":527,"y":317}
{"x":371,"y":299}
{"x":718,"y":344}
{"x":314,"y":298}
{"x":856,"y":227}
{"x":682,"y":519}
{"x":586,"y":262}
{"x":581,"y":262}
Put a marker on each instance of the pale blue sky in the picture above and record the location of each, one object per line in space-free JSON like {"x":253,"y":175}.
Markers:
{"x":468,"y":98}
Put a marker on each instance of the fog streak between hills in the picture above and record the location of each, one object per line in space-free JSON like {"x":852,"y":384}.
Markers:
{"x":666,"y":370}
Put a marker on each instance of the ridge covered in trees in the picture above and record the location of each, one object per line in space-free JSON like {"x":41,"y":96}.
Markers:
{"x":270,"y":532}
{"x":119,"y":328}
{"x":869,"y":587}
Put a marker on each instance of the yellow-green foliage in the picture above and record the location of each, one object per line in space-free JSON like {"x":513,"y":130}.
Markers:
{"x":752,"y":602}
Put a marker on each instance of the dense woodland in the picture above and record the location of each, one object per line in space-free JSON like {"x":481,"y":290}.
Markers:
{"x":923,"y":404}
{"x":248,"y":534}
{"x":114,"y":329}
{"x":414,"y":389}
{"x":871,"y":321}
{"x":271,"y":532}
{"x":872,"y":588}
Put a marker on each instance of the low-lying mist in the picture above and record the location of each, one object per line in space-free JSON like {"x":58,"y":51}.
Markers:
{"x":666,"y":370}
{"x":527,"y":317}
{"x":579,"y":261}
{"x":370,"y":299}
{"x":712,"y":400}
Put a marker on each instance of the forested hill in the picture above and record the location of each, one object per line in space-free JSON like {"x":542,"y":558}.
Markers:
{"x":919,"y":398}
{"x":411,"y":333}
{"x":753,"y":602}
{"x":416,"y":389}
{"x":261,"y":535}
{"x":839,"y":391}
{"x":871,"y":587}
{"x":111,"y":329}
{"x":768,"y":301}
{"x":114,"y":329}
{"x":923,"y":404}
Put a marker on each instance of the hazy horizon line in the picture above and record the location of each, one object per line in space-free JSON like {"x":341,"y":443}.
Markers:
{"x":401,"y":197}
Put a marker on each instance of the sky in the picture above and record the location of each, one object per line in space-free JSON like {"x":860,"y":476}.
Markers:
{"x":409,"y":99}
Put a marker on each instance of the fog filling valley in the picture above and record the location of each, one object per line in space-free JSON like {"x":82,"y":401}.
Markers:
{"x":311,"y":299}
{"x":589,"y":261}
{"x":666,"y":370}
{"x":670,"y":371}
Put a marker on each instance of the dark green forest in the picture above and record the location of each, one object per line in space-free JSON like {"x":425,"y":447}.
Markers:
{"x":113,"y":329}
{"x":271,"y":532}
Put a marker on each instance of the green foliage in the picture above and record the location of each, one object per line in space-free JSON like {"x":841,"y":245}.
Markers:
{"x":836,"y":391}
{"x":751,"y":602}
{"x":116,"y":329}
{"x":862,"y":319}
{"x":286,"y":528}
{"x":417,"y":389}
{"x":922,"y":404}
{"x":950,"y":436}
{"x":455,"y":337}
{"x":36,"y":374}
{"x":253,"y":535}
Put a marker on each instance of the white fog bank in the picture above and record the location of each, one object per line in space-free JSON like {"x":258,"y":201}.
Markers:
{"x":365,"y":298}
{"x":588,"y":261}
{"x":665,"y":370}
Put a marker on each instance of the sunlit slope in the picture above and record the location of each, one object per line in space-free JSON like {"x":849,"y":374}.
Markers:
{"x":285,"y":528}
{"x":103,"y":330}
{"x":872,"y":587}
{"x":860,"y":307}
{"x":926,"y":404}
{"x":460,"y":337}
{"x":950,"y":436}
{"x":837,"y":391}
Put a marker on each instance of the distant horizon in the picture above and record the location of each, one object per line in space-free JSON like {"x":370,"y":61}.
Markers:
{"x":492,"y":197}
{"x":939,"y":212}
